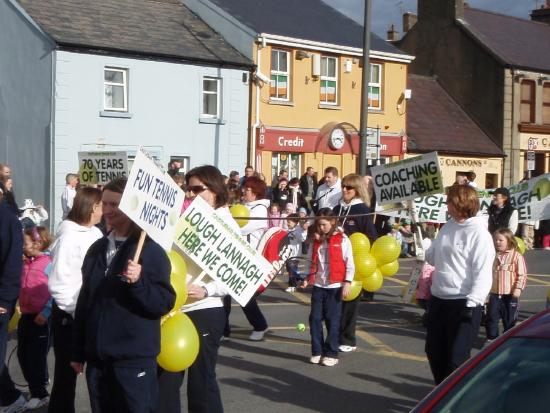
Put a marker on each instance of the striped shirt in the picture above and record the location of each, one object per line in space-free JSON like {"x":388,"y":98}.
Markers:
{"x":509,"y":272}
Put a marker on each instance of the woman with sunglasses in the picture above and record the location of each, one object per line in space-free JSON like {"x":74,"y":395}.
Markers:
{"x":204,"y":307}
{"x":254,"y":198}
{"x":355,"y":201}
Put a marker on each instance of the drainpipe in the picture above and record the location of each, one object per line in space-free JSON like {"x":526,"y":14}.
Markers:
{"x":513,"y":119}
{"x":53,"y":212}
{"x":257,"y":114}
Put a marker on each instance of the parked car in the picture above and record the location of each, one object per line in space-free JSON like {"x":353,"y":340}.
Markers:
{"x":512,"y":374}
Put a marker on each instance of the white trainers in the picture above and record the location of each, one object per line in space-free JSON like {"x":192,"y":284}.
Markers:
{"x":20,"y":405}
{"x":290,"y":289}
{"x":258,"y":335}
{"x":347,"y":349}
{"x":36,"y":403}
{"x":329,"y":362}
{"x":315,"y":359}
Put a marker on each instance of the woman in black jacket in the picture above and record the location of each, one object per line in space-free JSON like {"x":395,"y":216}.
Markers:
{"x":117,"y":318}
{"x":355,"y":200}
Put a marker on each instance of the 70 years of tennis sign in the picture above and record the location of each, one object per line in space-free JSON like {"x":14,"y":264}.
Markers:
{"x":408,"y":179}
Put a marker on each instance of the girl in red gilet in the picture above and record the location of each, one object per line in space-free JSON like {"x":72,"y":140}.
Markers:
{"x":33,"y":331}
{"x":332,"y":273}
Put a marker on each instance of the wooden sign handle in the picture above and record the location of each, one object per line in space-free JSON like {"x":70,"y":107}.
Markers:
{"x":140,"y":245}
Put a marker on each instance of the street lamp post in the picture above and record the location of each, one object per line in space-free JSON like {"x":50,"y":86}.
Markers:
{"x":363,"y":128}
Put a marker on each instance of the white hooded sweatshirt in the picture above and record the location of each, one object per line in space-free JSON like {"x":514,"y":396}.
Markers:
{"x":463,"y":255}
{"x":68,"y":250}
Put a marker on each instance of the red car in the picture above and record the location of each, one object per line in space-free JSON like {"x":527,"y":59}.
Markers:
{"x":512,"y":374}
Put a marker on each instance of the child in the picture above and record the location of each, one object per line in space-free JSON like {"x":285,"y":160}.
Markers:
{"x":509,"y":279}
{"x":33,"y":331}
{"x":289,"y":209}
{"x":407,"y":243}
{"x":274,"y":215}
{"x":304,"y":223}
{"x":296,"y":235}
{"x":332,"y":263}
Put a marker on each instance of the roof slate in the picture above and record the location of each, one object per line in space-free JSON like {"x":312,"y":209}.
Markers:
{"x":517,"y":42}
{"x":435,"y":122}
{"x":162,"y":28}
{"x":302,"y":19}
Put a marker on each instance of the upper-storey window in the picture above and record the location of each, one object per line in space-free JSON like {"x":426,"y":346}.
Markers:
{"x":280,"y":75}
{"x":115,"y":89}
{"x":375,"y":86}
{"x":527,"y":106}
{"x":211,"y":87}
{"x":329,"y":80}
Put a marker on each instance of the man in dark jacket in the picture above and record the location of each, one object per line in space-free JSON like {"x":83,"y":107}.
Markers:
{"x":117,"y":318}
{"x":308,"y":184}
{"x":11,"y":262}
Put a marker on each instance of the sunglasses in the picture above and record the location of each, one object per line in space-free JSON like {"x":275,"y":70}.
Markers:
{"x":196,"y":189}
{"x":347,"y":187}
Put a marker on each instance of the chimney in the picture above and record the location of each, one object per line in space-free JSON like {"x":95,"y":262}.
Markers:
{"x":409,"y":20}
{"x":440,"y":10}
{"x":542,"y":15}
{"x":392,"y":34}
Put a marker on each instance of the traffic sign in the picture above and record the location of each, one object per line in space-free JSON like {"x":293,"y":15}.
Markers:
{"x":530,"y":155}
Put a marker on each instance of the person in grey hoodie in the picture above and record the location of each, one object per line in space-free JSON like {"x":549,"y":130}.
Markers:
{"x":74,"y":237}
{"x":463,"y":256}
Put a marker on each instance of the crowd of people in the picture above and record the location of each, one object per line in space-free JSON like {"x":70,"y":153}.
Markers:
{"x":87,"y":292}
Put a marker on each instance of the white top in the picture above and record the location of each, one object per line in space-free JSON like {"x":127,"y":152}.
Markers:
{"x":67,"y":252}
{"x":513,"y":222}
{"x":463,"y":255}
{"x":37,"y":215}
{"x":322,"y":276}
{"x":254,"y":229}
{"x":216,"y":290}
{"x":332,"y":197}
{"x":67,"y":198}
{"x":295,"y":237}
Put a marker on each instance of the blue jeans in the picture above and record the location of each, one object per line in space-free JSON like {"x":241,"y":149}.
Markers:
{"x":503,"y":307}
{"x":326,"y":305}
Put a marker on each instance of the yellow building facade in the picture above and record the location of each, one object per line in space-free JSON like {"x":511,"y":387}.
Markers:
{"x":306,"y":104}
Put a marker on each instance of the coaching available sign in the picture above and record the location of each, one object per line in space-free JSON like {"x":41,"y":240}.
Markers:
{"x":101,"y":167}
{"x":408,"y":179}
{"x":221,"y":251}
{"x":152,"y":200}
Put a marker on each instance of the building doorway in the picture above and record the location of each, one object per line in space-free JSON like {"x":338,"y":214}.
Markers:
{"x":292,"y":162}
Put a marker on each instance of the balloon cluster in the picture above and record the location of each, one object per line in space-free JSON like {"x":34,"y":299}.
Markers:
{"x":372,"y":264}
{"x":179,"y":340}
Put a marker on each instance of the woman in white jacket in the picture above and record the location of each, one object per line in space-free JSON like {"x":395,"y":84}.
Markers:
{"x":463,"y":255}
{"x":254,"y":196}
{"x":73,"y":238}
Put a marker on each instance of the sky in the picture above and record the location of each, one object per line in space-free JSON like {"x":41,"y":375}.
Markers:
{"x":386,"y":12}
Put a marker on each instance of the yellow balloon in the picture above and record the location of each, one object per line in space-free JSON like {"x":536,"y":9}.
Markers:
{"x":373,"y":282}
{"x":521,"y":245}
{"x":355,"y":290}
{"x":179,"y":343}
{"x":180,"y":287}
{"x":14,"y":321}
{"x":389,"y":269}
{"x":178,"y":263}
{"x":385,"y":249}
{"x":365,"y":264}
{"x":239,"y":210}
{"x":359,"y":243}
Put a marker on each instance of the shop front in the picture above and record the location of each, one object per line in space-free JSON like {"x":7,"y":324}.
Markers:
{"x":296,"y":149}
{"x":488,"y":170}
{"x":535,"y":154}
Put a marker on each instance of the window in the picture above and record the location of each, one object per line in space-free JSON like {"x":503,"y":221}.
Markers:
{"x":211,"y":97}
{"x":527,"y":105}
{"x":279,"y":75}
{"x":329,"y":80}
{"x":375,"y":87}
{"x":116,"y":89}
{"x":546,"y":103}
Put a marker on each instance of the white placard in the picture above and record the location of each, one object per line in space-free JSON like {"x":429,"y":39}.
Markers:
{"x":98,"y":168}
{"x":221,"y":251}
{"x":407,"y":179}
{"x":152,"y":200}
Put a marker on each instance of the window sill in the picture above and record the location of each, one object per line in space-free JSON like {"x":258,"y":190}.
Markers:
{"x":113,"y":114}
{"x":212,"y":121}
{"x":281,"y":102}
{"x":377,"y":111}
{"x":533,"y":128}
{"x":330,"y":107}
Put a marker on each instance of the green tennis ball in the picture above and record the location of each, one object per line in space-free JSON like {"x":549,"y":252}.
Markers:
{"x":301,"y":327}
